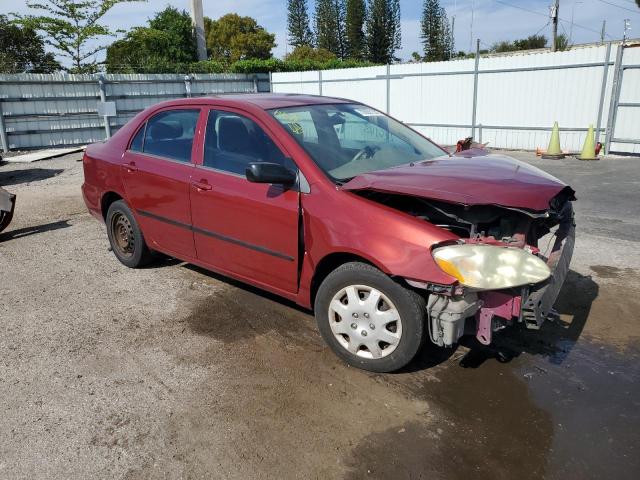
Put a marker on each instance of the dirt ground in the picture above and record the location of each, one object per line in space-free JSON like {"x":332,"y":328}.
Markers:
{"x":174,"y":372}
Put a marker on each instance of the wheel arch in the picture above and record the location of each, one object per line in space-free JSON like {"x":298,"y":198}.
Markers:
{"x":107,"y":199}
{"x":332,"y":261}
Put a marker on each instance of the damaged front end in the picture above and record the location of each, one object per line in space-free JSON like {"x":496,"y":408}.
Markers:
{"x":510,"y":263}
{"x":7,"y":206}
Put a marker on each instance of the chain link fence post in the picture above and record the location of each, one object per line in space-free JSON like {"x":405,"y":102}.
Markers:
{"x":603,"y":91}
{"x":388,"y":107}
{"x":475,"y":90}
{"x":103,"y":98}
{"x":187,"y":85}
{"x":3,"y":132}
{"x":615,"y":96}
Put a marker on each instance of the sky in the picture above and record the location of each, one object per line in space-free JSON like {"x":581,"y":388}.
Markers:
{"x":493,"y":20}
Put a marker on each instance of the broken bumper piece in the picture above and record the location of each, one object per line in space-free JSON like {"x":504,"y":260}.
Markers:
{"x":7,"y":206}
{"x":448,"y":315}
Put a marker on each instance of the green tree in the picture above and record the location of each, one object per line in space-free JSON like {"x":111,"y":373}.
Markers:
{"x":305,"y":53}
{"x":298,"y":23}
{"x":356,"y":14}
{"x":562,"y":42}
{"x":70,"y":27}
{"x":329,"y":26}
{"x":435,"y":33}
{"x":383,"y":30}
{"x":168,"y":40}
{"x":232,"y":38}
{"x":22,"y":50}
{"x":532,"y":42}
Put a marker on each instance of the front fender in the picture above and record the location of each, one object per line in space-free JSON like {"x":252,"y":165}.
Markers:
{"x":396,"y":243}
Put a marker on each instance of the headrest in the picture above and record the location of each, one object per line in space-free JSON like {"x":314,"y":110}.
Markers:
{"x":165,"y":130}
{"x":233,"y":135}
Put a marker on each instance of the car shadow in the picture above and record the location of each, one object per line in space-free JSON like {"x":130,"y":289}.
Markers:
{"x":248,"y":288}
{"x":33,"y":230}
{"x":17,"y":177}
{"x":555,"y":339}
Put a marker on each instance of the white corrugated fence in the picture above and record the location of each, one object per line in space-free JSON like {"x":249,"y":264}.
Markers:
{"x":516,"y":97}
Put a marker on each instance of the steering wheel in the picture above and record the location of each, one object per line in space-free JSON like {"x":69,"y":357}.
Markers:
{"x":366,"y":152}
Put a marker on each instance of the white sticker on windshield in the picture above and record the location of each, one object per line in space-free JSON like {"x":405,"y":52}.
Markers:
{"x":367,"y":112}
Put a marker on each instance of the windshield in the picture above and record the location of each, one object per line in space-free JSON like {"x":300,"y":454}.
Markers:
{"x":346,"y":140}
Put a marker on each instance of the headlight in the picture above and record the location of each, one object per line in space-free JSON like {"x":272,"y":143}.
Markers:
{"x":488,"y":267}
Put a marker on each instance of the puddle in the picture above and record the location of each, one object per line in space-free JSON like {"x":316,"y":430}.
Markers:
{"x":527,"y":418}
{"x":605,"y":271}
{"x":233,"y":315}
{"x":553,"y":403}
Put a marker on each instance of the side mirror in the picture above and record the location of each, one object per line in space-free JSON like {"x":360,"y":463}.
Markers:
{"x":265,"y":172}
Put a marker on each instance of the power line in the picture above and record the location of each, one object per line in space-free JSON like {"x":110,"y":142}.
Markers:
{"x":637,"y":12}
{"x":546,"y":15}
{"x":522,"y":8}
{"x":543,"y":27}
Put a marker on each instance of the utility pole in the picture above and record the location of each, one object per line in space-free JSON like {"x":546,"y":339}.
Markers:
{"x":197,"y":21}
{"x":573,"y":11}
{"x":453,"y":36}
{"x":554,"y":20}
{"x":602,"y":32}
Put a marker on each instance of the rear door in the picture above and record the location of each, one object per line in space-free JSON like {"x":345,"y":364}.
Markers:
{"x":157,"y":173}
{"x":247,"y":229}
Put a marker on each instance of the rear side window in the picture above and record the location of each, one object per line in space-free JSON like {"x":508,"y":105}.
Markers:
{"x":138,"y":140}
{"x":170,"y":134}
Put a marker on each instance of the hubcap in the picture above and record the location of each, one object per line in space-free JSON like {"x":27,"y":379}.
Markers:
{"x":122,"y":234}
{"x":365,"y":322}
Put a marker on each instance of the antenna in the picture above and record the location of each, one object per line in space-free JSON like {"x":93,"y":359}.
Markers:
{"x":627,"y":27}
{"x":473,"y":6}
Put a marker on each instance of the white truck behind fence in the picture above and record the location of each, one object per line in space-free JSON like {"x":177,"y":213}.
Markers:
{"x":510,"y":101}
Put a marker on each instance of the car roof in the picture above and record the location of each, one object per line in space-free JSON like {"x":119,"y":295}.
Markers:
{"x":264,"y":101}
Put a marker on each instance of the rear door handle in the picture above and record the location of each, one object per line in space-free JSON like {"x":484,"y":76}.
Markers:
{"x":201,"y":186}
{"x":130,"y":167}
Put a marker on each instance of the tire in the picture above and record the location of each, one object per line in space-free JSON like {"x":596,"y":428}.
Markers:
{"x":398,"y":341}
{"x":125,"y":236}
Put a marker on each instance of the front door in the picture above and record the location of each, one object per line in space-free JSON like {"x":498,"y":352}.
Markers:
{"x":157,"y":173}
{"x":247,"y":229}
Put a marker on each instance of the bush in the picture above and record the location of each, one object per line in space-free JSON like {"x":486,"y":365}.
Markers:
{"x":241,"y":66}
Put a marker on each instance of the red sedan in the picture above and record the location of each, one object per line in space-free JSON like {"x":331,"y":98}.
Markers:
{"x":340,"y":208}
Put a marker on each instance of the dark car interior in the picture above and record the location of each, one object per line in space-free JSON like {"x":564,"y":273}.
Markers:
{"x":232,"y":142}
{"x":170,"y":134}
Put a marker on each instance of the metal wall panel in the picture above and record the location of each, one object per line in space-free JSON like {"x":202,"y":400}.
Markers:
{"x":42,"y":110}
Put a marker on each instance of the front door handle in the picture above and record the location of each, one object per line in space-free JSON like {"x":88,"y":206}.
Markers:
{"x":201,"y":186}
{"x":130,"y":167}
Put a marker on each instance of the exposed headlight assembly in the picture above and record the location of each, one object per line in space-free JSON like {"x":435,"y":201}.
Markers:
{"x":489,"y":267}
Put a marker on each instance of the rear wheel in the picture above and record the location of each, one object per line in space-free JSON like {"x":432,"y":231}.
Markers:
{"x":125,"y":236}
{"x":368,"y":320}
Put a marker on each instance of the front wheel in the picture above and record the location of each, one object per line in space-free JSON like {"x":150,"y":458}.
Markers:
{"x":368,"y":320}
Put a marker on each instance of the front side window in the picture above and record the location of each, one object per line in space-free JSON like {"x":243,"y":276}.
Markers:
{"x":170,"y":134}
{"x":346,"y":140}
{"x":233,"y":141}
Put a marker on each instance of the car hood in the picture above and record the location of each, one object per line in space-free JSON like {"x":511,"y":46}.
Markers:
{"x":478,"y":180}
